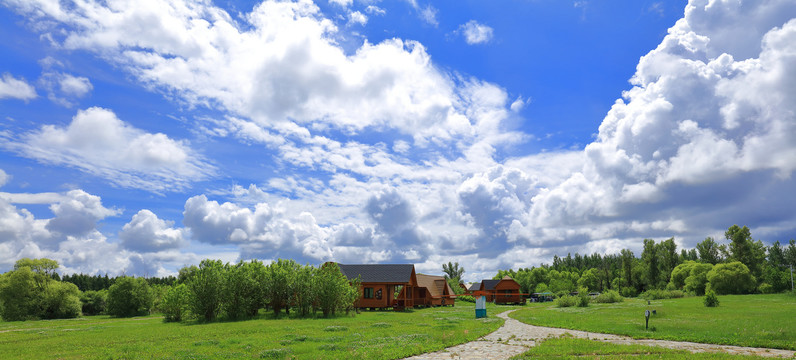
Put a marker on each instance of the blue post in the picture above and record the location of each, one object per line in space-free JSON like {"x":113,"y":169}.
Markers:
{"x":480,"y":306}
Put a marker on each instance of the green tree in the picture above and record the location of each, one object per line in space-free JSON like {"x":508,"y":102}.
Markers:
{"x":668,"y":260}
{"x":697,"y":280}
{"x":19,"y":295}
{"x":590,"y":280}
{"x":129,"y":296}
{"x":649,"y":256}
{"x":242,"y":292}
{"x":303,"y":294}
{"x":279,"y":284}
{"x":742,"y":248}
{"x":453,"y":271}
{"x":709,"y":251}
{"x":61,"y":301}
{"x":176,"y":302}
{"x":331,"y":289}
{"x":205,"y":285}
{"x":731,"y":278}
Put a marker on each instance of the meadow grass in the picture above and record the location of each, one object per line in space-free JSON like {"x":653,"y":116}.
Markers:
{"x":369,"y":335}
{"x":744,"y":320}
{"x":571,"y":348}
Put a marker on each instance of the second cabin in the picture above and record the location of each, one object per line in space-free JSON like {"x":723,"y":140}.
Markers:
{"x":503,"y":291}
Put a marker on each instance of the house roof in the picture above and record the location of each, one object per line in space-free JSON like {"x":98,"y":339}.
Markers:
{"x":475,"y":286}
{"x":490,"y":284}
{"x":379,"y":273}
{"x":436,"y":285}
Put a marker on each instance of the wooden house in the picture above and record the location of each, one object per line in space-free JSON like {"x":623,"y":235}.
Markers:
{"x":432,"y":291}
{"x":379,"y":283}
{"x":503,"y":291}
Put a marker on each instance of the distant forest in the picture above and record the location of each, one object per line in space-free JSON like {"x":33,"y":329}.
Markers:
{"x":740,"y":266}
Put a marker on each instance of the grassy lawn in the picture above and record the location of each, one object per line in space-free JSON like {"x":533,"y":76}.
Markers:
{"x":570,"y":348}
{"x":743,"y":320}
{"x":377,"y":335}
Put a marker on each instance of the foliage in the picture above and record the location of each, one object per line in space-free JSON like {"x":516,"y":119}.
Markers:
{"x":465,"y":298}
{"x":656,"y":294}
{"x":175,"y":303}
{"x":129,"y":296}
{"x":745,"y":250}
{"x":731,"y":278}
{"x":744,"y":320}
{"x":590,"y":280}
{"x":332,"y":288}
{"x":61,"y":301}
{"x":453,"y":271}
{"x":94,"y":302}
{"x":567,"y":301}
{"x":241,"y":293}
{"x":711,"y":300}
{"x":279,"y":286}
{"x":709,"y":251}
{"x":19,"y":295}
{"x":610,"y":296}
{"x":205,"y":284}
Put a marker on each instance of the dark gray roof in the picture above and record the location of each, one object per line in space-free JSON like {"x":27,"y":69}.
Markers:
{"x":490,"y":284}
{"x":475,"y":286}
{"x":379,"y":273}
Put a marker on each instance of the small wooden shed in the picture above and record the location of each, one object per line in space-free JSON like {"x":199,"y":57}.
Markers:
{"x":503,"y":291}
{"x":379,"y":283}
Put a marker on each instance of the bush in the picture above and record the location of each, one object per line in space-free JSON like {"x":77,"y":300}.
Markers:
{"x":583,"y":297}
{"x":731,"y":278}
{"x":711,"y":300}
{"x":567,"y":301}
{"x":766,"y":288}
{"x":628,"y":292}
{"x":465,"y":298}
{"x":94,"y":302}
{"x":656,"y":294}
{"x":61,"y":301}
{"x":129,"y":296}
{"x":610,"y":296}
{"x":175,"y":303}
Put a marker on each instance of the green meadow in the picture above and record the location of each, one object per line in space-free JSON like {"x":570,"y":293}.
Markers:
{"x":368,"y":335}
{"x":744,"y":320}
{"x":571,"y":348}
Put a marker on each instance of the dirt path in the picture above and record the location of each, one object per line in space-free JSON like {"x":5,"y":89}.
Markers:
{"x":514,"y":338}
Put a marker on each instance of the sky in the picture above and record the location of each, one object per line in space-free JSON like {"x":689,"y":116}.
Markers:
{"x":141,"y":136}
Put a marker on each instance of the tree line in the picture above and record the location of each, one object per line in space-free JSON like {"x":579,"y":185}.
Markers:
{"x":742,"y":265}
{"x":213,"y":289}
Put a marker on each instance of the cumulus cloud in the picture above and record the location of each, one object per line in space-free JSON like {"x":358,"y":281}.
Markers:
{"x":476,"y":33}
{"x":343,"y":3}
{"x":64,"y":89}
{"x":147,"y":233}
{"x":11,"y":87}
{"x":356,"y":17}
{"x":98,"y":142}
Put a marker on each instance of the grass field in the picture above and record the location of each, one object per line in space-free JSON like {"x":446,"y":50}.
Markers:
{"x":743,"y":320}
{"x":570,"y":348}
{"x":369,"y":335}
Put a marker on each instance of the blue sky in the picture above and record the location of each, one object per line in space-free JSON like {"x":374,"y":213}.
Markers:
{"x":142,"y":136}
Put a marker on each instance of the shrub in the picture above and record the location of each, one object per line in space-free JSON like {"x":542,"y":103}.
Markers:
{"x":656,"y":294}
{"x":129,"y":296}
{"x":731,"y":278}
{"x":628,"y":292}
{"x":711,"y":300}
{"x":466,"y":298}
{"x":61,"y":301}
{"x":610,"y":296}
{"x":766,"y":288}
{"x":94,"y":302}
{"x":175,"y":303}
{"x":567,"y":301}
{"x":583,"y":297}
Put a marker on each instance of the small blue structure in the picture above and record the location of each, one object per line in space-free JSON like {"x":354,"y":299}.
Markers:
{"x":480,"y":306}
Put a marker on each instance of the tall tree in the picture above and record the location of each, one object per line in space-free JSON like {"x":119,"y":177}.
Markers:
{"x":709,"y":251}
{"x":649,"y":256}
{"x":667,"y":252}
{"x":453,"y":271}
{"x":742,"y":248}
{"x":205,"y":285}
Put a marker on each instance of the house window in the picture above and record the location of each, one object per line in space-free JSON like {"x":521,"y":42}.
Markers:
{"x":378,"y":294}
{"x":367,"y":293}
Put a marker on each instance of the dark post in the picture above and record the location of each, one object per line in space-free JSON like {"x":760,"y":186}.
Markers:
{"x":647,"y":318}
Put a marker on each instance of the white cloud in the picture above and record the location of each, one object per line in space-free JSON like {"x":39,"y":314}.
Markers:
{"x":429,"y":15}
{"x":343,"y":3}
{"x":518,"y":104}
{"x":476,"y":33}
{"x":356,"y":17}
{"x":98,"y":142}
{"x":11,"y":87}
{"x":62,"y":88}
{"x":146,"y":233}
{"x":375,"y":10}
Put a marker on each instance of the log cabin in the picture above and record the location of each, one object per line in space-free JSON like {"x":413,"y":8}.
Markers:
{"x":379,"y":283}
{"x":503,"y":291}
